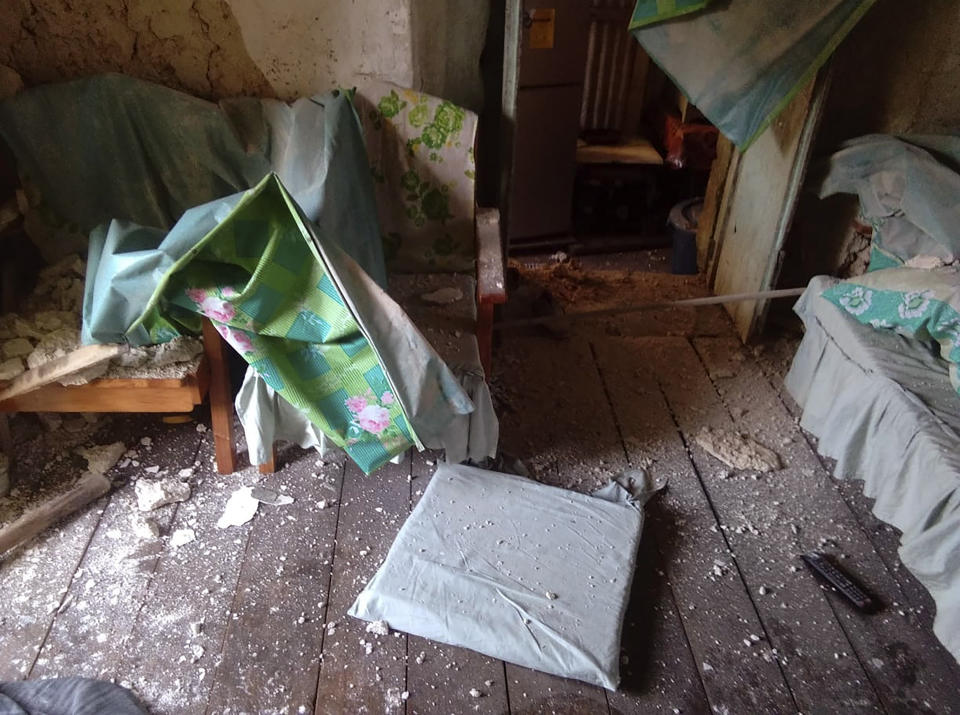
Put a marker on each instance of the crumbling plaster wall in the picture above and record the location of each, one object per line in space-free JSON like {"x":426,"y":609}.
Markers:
{"x":898,"y":72}
{"x":219,"y":48}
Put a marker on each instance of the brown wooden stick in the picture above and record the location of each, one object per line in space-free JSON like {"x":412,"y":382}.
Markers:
{"x":91,"y":486}
{"x":221,"y":399}
{"x":684,"y":303}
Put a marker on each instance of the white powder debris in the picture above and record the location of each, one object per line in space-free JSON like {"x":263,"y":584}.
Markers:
{"x":155,"y":493}
{"x":240,"y":508}
{"x":197,"y":651}
{"x":737,"y":451}
{"x":101,"y":458}
{"x":181,"y":537}
{"x":551,"y":595}
{"x":394,"y":699}
{"x":378,"y":628}
{"x":420,"y":658}
{"x":474,"y":693}
{"x":144,"y":528}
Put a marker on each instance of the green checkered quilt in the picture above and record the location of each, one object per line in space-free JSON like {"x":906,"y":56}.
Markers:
{"x":264,"y":284}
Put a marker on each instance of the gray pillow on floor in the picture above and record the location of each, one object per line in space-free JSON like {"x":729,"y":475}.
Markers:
{"x":520,"y":571}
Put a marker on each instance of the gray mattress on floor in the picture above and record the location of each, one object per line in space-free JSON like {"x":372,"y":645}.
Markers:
{"x":883,"y":407}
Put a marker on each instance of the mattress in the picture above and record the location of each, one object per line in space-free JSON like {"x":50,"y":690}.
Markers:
{"x":883,"y":407}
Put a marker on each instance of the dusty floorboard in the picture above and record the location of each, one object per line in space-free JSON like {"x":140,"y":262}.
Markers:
{"x":722,"y":617}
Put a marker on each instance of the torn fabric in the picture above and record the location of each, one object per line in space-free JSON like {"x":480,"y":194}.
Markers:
{"x":741,"y":62}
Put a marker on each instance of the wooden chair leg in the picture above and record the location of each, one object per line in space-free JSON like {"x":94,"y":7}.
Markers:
{"x":221,"y":402}
{"x":270,"y":466}
{"x":485,"y":336}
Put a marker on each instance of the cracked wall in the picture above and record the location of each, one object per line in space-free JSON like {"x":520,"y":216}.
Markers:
{"x":193,"y":45}
{"x":220,"y":48}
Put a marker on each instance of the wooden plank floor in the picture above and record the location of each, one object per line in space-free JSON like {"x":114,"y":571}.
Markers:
{"x":722,"y":617}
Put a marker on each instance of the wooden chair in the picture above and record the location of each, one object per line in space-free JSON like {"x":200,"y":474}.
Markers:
{"x":417,"y":146}
{"x":146,"y":395}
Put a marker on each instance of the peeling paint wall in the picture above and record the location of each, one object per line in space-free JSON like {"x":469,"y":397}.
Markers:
{"x":219,"y":48}
{"x":193,"y":45}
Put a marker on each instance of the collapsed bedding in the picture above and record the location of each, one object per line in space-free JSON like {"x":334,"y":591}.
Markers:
{"x":882,"y":405}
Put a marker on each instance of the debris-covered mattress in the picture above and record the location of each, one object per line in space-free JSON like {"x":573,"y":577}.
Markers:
{"x":516,"y":570}
{"x":882,"y":405}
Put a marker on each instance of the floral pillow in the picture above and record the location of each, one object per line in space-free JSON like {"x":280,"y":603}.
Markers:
{"x":915,"y":302}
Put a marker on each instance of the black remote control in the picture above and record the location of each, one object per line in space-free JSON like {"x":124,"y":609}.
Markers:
{"x":821,"y":565}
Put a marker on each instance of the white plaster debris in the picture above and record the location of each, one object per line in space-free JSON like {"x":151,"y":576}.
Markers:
{"x":146,"y":441}
{"x":144,"y":527}
{"x":180,"y":537}
{"x":201,"y":428}
{"x":443,"y":296}
{"x":378,"y":628}
{"x":268,"y":496}
{"x":394,"y":699}
{"x":9,"y":369}
{"x":197,"y":651}
{"x":927,"y":263}
{"x":240,"y":508}
{"x":155,"y":493}
{"x":155,"y":469}
{"x":737,"y":451}
{"x":101,"y":458}
{"x":185,"y":473}
{"x":474,"y":693}
{"x":551,"y":595}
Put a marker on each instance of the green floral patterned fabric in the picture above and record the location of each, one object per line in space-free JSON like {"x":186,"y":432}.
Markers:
{"x":421,"y":157}
{"x":918,"y":303}
{"x":263,"y":283}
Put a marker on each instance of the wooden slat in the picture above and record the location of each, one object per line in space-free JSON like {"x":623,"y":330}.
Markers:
{"x":797,"y":620}
{"x":59,"y":368}
{"x":113,"y":578}
{"x":33,"y":582}
{"x":439,"y":676}
{"x":195,"y":583}
{"x":576,"y":446}
{"x":761,"y":198}
{"x":905,"y":665}
{"x":271,"y":654}
{"x":117,"y":395}
{"x":716,"y":610}
{"x":372,"y":509}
